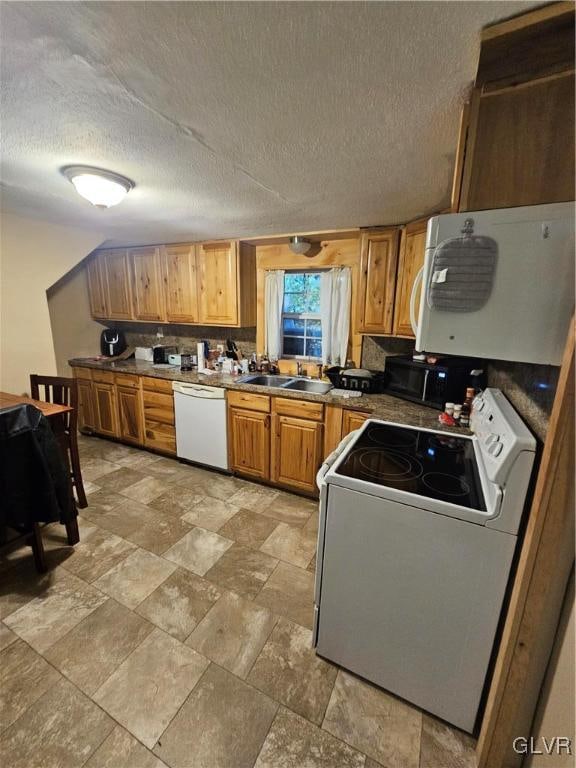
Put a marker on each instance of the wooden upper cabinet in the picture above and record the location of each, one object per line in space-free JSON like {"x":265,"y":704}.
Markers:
{"x":227,"y":284}
{"x":379,"y":256}
{"x":410,"y":261}
{"x":520,"y":148}
{"x":97,"y":287}
{"x":147,"y":284}
{"x":520,"y":144}
{"x":118,"y":292}
{"x":218,"y":270}
{"x":180,"y":283}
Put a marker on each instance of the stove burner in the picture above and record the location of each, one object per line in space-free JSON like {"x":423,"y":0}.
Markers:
{"x":389,"y":465}
{"x":446,"y":485}
{"x":443,"y":443}
{"x":391,"y":438}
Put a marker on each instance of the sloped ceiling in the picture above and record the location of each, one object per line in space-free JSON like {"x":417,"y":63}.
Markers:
{"x":239,"y":118}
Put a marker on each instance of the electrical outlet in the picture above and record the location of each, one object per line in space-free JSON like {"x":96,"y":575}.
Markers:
{"x":160,"y":333}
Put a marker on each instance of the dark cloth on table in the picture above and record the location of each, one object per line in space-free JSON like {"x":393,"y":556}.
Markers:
{"x":34,"y":482}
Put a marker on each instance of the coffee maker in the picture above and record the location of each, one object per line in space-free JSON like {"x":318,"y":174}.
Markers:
{"x":112,"y":342}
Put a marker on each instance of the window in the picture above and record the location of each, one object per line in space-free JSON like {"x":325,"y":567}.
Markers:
{"x":301,"y":326}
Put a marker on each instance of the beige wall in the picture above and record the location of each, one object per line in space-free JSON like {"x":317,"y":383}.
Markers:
{"x":555,"y":715}
{"x":74,"y":332}
{"x":34,"y":255}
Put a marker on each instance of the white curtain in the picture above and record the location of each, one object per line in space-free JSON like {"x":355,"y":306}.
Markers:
{"x":274,"y":299}
{"x":335,"y":298}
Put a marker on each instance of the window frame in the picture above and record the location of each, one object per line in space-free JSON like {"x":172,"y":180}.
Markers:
{"x":301,"y":316}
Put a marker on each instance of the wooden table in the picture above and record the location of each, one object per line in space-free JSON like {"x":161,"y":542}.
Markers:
{"x":52,"y":411}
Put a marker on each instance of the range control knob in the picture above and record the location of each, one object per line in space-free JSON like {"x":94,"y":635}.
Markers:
{"x":491,"y":438}
{"x":495,"y":449}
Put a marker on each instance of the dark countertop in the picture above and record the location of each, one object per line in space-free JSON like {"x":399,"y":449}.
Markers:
{"x":383,"y":407}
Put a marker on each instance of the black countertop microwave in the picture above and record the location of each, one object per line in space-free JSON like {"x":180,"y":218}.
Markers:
{"x":432,"y":384}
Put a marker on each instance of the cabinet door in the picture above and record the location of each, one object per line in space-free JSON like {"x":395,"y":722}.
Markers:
{"x":130,"y":414}
{"x":379,"y":255}
{"x":218,"y":295}
{"x":118,"y":293}
{"x":352,"y":420}
{"x":181,"y":290}
{"x":105,"y":409}
{"x":520,"y":148}
{"x":86,"y":416}
{"x":97,"y":287}
{"x":411,"y":259}
{"x":147,"y":285}
{"x":159,"y":420}
{"x":249,"y":442}
{"x":296,"y":453}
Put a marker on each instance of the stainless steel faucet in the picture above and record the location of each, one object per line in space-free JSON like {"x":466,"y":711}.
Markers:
{"x":298,"y":368}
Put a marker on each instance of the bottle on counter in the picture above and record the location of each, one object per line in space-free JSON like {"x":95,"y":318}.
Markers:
{"x":457,"y":413}
{"x":467,"y":408}
{"x":252,"y":365}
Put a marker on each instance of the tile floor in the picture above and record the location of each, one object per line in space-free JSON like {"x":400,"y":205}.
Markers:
{"x":178,"y":633}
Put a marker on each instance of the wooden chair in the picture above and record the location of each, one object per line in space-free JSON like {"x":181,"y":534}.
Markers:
{"x":63,"y":391}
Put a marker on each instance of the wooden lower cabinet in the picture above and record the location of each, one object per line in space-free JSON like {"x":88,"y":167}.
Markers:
{"x":86,"y":416}
{"x":106,"y":414}
{"x":130,"y":415}
{"x":340,"y":422}
{"x":249,"y":442}
{"x":352,"y":420}
{"x":297,"y":452}
{"x":159,"y":421}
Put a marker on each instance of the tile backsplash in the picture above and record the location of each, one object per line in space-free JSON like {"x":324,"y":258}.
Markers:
{"x":530,"y":388}
{"x":375,"y":349}
{"x":185,"y":337}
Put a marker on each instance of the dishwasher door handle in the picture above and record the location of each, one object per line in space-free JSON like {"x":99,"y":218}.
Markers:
{"x":196,"y":390}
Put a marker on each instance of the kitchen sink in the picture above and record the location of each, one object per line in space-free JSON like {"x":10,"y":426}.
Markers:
{"x":306,"y":385}
{"x":266,"y":380}
{"x":287,"y":382}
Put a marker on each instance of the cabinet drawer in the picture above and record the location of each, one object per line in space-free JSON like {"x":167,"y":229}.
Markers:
{"x":156,"y":385}
{"x":300,"y":409}
{"x":127,"y":380}
{"x":82,"y":373}
{"x":158,"y":407}
{"x":249,"y":401}
{"x":106,"y":377}
{"x":160,"y":436}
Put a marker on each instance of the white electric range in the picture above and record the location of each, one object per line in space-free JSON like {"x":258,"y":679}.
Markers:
{"x":418,"y":530}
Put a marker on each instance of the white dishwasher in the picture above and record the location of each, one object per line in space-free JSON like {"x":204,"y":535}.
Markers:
{"x":200,"y":413}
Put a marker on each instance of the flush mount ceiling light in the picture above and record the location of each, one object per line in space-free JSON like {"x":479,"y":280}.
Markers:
{"x":102,"y":188}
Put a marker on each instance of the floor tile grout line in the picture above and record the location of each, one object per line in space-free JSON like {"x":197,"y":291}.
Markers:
{"x":82,"y":693}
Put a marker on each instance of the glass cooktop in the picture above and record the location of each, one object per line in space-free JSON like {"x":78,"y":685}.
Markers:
{"x":441,"y":467}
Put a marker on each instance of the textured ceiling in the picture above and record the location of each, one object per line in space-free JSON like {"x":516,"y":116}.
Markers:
{"x":237,"y":118}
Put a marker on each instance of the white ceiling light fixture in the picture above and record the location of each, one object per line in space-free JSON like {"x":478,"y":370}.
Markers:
{"x":299,"y":245}
{"x":102,"y":188}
